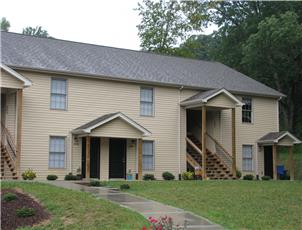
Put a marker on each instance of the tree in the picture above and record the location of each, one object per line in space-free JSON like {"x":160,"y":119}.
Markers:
{"x":5,"y":25}
{"x":37,"y":32}
{"x":274,"y":55}
{"x":165,"y":24}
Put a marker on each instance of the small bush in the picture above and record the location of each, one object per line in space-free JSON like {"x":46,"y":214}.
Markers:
{"x":238,"y":174}
{"x":25,"y":212}
{"x":29,"y":174}
{"x":148,"y":177}
{"x":95,"y":183}
{"x":266,"y":178}
{"x":168,"y":176}
{"x":52,"y":177}
{"x":187,"y":175}
{"x":248,"y":177}
{"x":9,"y":196}
{"x":70,"y":176}
{"x":124,"y":186}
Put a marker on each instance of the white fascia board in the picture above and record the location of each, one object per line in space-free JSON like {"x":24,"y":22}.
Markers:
{"x":26,"y":82}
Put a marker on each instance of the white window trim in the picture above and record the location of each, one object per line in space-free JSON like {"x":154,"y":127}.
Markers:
{"x":66,"y":100}
{"x":252,"y":112}
{"x":65,"y":157}
{"x":153,"y":154}
{"x":253,"y":158}
{"x":153,"y":101}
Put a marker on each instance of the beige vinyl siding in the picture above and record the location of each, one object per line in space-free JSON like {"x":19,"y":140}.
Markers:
{"x":116,"y":128}
{"x":87,"y":99}
{"x":11,"y":114}
{"x":131,"y":156}
{"x":9,"y":81}
{"x":222,"y":101}
{"x":286,"y":141}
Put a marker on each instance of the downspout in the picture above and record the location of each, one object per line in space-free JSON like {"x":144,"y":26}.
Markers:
{"x":179,"y":133}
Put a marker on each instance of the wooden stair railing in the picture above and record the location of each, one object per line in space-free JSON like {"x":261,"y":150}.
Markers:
{"x":221,"y":152}
{"x":192,"y":162}
{"x":194,"y":146}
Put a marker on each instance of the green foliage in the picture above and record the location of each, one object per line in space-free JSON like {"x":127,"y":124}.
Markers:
{"x":248,"y":177}
{"x":238,"y":174}
{"x":36,"y":32}
{"x":29,"y":174}
{"x":4,"y":24}
{"x":70,"y":176}
{"x":266,"y":178}
{"x":187,"y":175}
{"x":164,"y":23}
{"x":168,"y":176}
{"x":124,"y":186}
{"x":97,"y":183}
{"x":52,"y":177}
{"x":25,"y":212}
{"x":148,"y":177}
{"x":9,"y":196}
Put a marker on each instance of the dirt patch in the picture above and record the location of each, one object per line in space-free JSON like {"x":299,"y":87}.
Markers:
{"x":9,"y":218}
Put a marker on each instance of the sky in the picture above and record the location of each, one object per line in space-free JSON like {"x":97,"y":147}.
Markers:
{"x":103,"y":22}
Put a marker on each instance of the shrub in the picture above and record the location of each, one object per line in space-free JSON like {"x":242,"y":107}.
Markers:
{"x":238,"y":174}
{"x":97,"y":183}
{"x":29,"y":174}
{"x":25,"y":212}
{"x":9,"y":196}
{"x":148,"y":177}
{"x":52,"y":177}
{"x":70,"y":176}
{"x":124,"y":186}
{"x":266,"y":178}
{"x":248,"y":177}
{"x":187,"y":175}
{"x":168,"y":176}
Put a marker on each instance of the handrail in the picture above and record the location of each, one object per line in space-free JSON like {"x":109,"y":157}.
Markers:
{"x":194,"y":146}
{"x":192,"y":161}
{"x":216,"y":142}
{"x":7,"y":140}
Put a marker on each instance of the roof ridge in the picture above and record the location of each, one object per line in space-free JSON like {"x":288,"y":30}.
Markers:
{"x":110,"y":47}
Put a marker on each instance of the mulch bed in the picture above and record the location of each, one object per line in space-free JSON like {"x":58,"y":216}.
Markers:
{"x":9,"y":218}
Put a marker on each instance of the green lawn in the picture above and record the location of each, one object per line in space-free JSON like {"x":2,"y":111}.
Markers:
{"x":233,"y":204}
{"x":79,"y":210}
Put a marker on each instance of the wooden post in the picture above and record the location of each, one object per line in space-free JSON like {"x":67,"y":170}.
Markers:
{"x":19,"y":129}
{"x":234,"y":142}
{"x":291,"y":162}
{"x":87,"y":157}
{"x":203,"y":141}
{"x":140,"y":159}
{"x":275,"y":162}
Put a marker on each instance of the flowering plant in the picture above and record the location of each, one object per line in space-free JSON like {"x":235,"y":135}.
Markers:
{"x":163,"y":223}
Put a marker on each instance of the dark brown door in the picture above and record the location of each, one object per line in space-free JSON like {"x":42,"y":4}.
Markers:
{"x":117,"y":158}
{"x":94,"y":157}
{"x":268,"y":161}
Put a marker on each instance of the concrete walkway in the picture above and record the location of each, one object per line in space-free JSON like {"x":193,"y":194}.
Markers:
{"x":143,"y":206}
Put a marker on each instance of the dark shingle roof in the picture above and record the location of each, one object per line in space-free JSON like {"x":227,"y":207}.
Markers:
{"x":274,"y":137}
{"x":96,"y":121}
{"x":202,"y":95}
{"x":73,"y":57}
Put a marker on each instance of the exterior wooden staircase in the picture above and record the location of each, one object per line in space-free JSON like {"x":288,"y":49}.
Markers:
{"x":218,"y":165}
{"x":8,"y":155}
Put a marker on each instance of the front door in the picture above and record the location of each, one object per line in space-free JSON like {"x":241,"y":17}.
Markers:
{"x":94,"y":157}
{"x":117,"y":158}
{"x":268,"y":161}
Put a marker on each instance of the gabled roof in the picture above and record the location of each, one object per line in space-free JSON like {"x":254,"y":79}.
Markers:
{"x":13,"y":73}
{"x":275,"y":137}
{"x":204,"y":97}
{"x":87,"y":60}
{"x":88,"y":127}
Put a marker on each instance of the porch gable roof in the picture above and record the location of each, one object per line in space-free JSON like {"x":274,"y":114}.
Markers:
{"x":26,"y":82}
{"x":204,"y":97}
{"x":88,"y":127}
{"x":276,"y":137}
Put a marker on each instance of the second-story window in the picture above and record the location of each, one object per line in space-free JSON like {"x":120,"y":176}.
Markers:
{"x":146,"y":102}
{"x":58,"y":94}
{"x":247,"y":110}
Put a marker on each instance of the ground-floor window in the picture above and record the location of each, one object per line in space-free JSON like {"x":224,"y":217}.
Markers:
{"x":57,"y":147}
{"x":247,"y":158}
{"x":148,"y":155}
